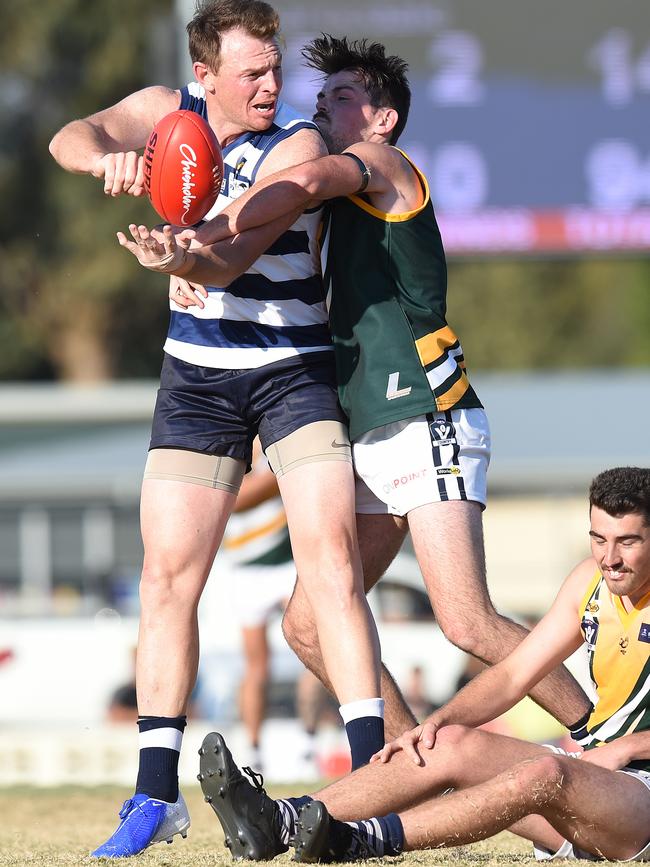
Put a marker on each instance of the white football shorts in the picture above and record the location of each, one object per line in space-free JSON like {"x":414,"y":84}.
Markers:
{"x":257,"y":592}
{"x":431,"y":458}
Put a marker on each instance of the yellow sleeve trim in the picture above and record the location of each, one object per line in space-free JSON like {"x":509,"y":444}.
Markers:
{"x":395,"y":218}
{"x":432,"y":346}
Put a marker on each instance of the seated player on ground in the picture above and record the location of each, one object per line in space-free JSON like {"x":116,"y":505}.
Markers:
{"x":594,"y":804}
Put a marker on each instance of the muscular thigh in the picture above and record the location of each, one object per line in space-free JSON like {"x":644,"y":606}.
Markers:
{"x":182,"y":527}
{"x":318,"y":499}
{"x":448,"y":543}
{"x":380,"y":539}
{"x":604,"y":811}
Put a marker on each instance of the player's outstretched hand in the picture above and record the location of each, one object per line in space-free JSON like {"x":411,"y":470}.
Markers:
{"x":165,"y":254}
{"x":422,"y":736}
{"x":186,"y":294}
{"x":121,"y":172}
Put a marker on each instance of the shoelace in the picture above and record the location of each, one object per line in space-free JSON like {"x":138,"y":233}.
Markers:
{"x":126,"y":808}
{"x":257,"y":780}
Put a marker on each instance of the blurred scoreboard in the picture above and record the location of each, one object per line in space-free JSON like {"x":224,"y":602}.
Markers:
{"x":530,"y":118}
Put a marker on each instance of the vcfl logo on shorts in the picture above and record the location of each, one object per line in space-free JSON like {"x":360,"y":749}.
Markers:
{"x":443,"y":432}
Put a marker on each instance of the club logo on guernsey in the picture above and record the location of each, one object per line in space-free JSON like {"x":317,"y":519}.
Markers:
{"x":590,"y":632}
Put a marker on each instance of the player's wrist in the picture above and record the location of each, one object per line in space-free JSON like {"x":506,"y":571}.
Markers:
{"x":185,"y":265}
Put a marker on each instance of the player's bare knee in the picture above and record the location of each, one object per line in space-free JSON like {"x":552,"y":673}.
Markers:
{"x":541,"y":778}
{"x":162,"y":586}
{"x":479,"y":635}
{"x":453,"y":736}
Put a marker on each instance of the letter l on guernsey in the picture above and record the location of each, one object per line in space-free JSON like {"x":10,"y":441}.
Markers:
{"x":393,"y":389}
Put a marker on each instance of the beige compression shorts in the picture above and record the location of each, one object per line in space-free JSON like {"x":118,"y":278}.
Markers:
{"x":319,"y":441}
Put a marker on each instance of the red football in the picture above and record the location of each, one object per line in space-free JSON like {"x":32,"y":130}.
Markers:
{"x":183,"y":168}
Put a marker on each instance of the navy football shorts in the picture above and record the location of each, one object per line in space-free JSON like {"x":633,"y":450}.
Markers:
{"x":219,"y":412}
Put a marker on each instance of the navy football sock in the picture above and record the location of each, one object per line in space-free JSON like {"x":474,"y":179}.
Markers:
{"x":371,"y":838}
{"x":289,"y":809}
{"x":160,"y":744}
{"x":366,"y":737}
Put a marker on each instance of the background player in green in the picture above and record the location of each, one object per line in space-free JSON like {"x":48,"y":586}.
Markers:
{"x":421,"y":441}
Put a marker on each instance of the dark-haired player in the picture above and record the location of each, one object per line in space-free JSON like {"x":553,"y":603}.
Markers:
{"x":421,"y":441}
{"x":257,"y":359}
{"x":592,"y":805}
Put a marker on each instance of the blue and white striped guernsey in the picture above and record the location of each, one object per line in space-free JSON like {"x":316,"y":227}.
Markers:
{"x":276,"y":309}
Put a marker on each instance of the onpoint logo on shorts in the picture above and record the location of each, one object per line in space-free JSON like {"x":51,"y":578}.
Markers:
{"x":405,"y":479}
{"x":443,"y":432}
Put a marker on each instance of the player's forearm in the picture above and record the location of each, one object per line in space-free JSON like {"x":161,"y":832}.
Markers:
{"x":282,"y":193}
{"x":207,"y":266}
{"x":221,"y":263}
{"x":631,"y":747}
{"x":78,"y":146}
{"x":265,"y":203}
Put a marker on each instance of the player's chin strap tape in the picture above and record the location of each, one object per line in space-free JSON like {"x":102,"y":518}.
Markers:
{"x":366,"y":174}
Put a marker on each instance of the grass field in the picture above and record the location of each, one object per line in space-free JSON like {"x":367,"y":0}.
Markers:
{"x":60,"y":826}
{"x":54,"y":827}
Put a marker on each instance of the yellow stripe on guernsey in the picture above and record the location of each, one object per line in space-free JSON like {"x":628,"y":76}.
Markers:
{"x":395,"y":218}
{"x":234,"y":542}
{"x":441,"y":355}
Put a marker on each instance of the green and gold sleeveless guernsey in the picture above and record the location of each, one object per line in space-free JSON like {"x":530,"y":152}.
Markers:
{"x":386,"y":280}
{"x":618,"y":647}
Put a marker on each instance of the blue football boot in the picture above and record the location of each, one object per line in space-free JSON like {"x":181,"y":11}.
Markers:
{"x":145,"y":821}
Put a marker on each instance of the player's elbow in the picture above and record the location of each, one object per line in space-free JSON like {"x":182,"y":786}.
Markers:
{"x":61,"y":148}
{"x":55,"y":146}
{"x":307,"y":178}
